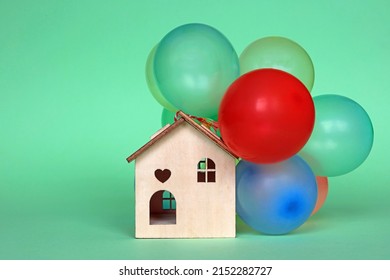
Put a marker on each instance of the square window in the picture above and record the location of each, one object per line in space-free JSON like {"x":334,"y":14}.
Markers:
{"x":166,"y":204}
{"x":201,"y":177}
{"x":211,"y":176}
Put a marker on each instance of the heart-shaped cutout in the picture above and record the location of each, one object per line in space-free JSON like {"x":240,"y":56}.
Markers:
{"x":162,"y":175}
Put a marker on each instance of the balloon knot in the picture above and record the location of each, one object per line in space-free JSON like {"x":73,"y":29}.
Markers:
{"x":212,"y":125}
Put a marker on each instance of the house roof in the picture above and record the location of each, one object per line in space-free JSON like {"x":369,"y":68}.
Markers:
{"x":183,"y":118}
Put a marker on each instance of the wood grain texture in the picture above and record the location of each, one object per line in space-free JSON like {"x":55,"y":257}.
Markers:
{"x":203,"y":210}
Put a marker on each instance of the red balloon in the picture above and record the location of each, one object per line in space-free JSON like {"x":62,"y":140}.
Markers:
{"x":266,"y":116}
{"x":322,"y":192}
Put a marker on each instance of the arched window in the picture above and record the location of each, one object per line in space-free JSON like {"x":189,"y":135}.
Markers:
{"x":206,"y":171}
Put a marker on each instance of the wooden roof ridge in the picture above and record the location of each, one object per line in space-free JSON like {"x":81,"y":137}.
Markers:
{"x":213,"y":137}
{"x":183,"y":118}
{"x":155,"y":139}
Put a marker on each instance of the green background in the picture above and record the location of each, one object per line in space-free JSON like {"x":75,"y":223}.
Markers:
{"x":74,"y":104}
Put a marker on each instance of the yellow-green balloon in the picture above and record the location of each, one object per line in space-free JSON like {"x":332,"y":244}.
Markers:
{"x":151,"y":81}
{"x":342,"y":137}
{"x":278,"y":53}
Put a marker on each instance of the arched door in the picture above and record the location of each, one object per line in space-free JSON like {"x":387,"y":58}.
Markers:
{"x":162,"y":208}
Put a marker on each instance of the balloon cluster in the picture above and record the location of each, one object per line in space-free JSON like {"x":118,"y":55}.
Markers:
{"x":289,"y":142}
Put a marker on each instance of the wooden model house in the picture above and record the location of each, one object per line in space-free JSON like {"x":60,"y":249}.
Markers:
{"x":184,"y":184}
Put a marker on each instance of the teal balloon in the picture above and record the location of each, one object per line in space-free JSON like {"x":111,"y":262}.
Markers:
{"x":342,"y":137}
{"x":279,"y":53}
{"x":152,"y":85}
{"x":194,"y":64}
{"x":167,"y":117}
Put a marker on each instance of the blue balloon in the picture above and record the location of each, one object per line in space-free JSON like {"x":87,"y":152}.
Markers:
{"x":275,"y":198}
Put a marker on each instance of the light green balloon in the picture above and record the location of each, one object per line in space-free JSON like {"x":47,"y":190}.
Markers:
{"x":151,"y":81}
{"x":167,"y":117}
{"x":278,"y":53}
{"x":342,"y":137}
